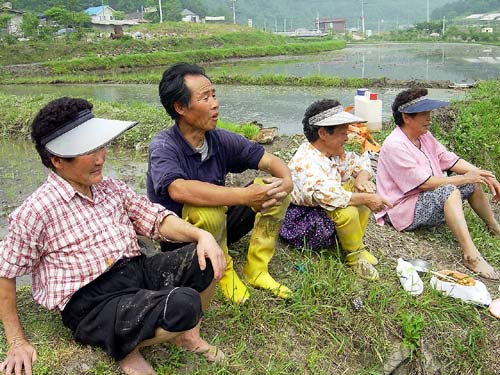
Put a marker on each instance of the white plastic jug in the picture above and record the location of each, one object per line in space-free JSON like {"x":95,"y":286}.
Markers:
{"x":360,"y":97}
{"x":369,"y":108}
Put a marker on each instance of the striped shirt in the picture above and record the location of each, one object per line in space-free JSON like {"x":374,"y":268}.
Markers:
{"x":66,"y":240}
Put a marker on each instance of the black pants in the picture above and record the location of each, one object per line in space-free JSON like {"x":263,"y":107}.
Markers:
{"x":125,"y":305}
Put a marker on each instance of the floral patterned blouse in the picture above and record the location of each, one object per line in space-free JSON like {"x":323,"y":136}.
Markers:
{"x":318,"y":179}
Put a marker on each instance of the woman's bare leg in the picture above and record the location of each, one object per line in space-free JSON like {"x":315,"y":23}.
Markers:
{"x":478,"y":200}
{"x":454,"y":216}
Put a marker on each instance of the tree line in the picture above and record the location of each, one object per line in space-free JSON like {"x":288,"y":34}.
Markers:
{"x":465,"y":8}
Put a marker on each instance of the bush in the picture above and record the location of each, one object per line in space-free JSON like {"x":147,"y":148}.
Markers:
{"x":474,"y":135}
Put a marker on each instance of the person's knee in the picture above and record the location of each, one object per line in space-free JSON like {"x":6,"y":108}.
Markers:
{"x":454,"y":196}
{"x":182,"y":310}
{"x":278,"y":211}
{"x":210,"y":219}
{"x":363,"y":211}
{"x":343,"y":216}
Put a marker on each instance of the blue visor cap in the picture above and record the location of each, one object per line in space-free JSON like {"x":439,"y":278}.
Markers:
{"x":422,"y":104}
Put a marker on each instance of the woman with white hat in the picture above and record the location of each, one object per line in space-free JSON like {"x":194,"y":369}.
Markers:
{"x":332,"y":189}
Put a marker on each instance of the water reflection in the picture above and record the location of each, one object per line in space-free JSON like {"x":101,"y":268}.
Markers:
{"x":431,"y":61}
{"x":282,"y":107}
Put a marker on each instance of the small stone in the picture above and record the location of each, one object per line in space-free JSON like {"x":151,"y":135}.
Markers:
{"x":357,"y":304}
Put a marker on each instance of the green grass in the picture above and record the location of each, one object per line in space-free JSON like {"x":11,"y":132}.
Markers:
{"x":169,"y":36}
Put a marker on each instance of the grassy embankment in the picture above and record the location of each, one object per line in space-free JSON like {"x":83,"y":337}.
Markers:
{"x":124,"y":61}
{"x":317,"y":332}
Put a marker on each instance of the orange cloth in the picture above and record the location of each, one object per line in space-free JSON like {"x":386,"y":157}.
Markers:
{"x":363,"y":136}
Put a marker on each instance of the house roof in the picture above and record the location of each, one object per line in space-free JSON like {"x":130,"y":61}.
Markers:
{"x":187,"y":12}
{"x":116,"y":22}
{"x":94,"y":11}
{"x":8,"y":10}
{"x":332,"y":20}
{"x":490,"y":17}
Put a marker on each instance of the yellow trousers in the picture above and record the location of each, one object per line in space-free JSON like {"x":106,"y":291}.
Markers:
{"x":350,"y":225}
{"x":260,"y":251}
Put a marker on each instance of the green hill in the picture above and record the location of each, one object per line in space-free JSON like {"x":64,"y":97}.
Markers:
{"x":280,"y":14}
{"x":465,"y":8}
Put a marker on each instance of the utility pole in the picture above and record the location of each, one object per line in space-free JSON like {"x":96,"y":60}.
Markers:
{"x":234,"y":11}
{"x":428,"y":19}
{"x":443,"y":26}
{"x":161,"y":11}
{"x":284,"y":25}
{"x":363,"y":17}
{"x":275,"y":25}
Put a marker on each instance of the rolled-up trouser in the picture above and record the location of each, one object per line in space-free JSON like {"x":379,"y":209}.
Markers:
{"x":125,"y":305}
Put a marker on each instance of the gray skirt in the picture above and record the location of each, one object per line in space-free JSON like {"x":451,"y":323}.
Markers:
{"x":429,"y":209}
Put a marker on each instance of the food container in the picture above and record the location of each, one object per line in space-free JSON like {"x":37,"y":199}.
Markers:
{"x":459,"y":285}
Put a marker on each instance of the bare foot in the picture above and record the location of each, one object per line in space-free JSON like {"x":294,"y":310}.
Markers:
{"x":135,"y":364}
{"x":494,"y":230}
{"x":194,"y":343}
{"x":481,"y":267}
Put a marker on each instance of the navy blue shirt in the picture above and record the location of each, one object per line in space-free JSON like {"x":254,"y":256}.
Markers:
{"x":171,"y":157}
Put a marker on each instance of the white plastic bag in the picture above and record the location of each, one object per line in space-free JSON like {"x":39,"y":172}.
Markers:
{"x":477,"y":294}
{"x":408,"y":276}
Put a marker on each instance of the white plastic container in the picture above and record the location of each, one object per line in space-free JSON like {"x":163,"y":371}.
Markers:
{"x":369,"y":108}
{"x":360,"y":97}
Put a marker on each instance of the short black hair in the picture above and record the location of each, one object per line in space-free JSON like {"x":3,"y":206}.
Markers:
{"x":405,"y":97}
{"x":172,"y":88}
{"x":51,"y":117}
{"x":311,"y":131}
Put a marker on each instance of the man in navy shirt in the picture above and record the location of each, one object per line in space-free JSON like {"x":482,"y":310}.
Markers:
{"x":187,"y":168}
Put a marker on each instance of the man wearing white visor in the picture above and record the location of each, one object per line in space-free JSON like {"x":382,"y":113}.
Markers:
{"x":77,"y":237}
{"x":332,"y":189}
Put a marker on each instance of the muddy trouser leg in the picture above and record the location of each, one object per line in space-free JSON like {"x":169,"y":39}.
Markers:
{"x":213,"y":220}
{"x":125,"y":305}
{"x":262,"y":246}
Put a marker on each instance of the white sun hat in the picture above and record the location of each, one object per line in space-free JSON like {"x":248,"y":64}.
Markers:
{"x":84,"y":134}
{"x":334,"y":116}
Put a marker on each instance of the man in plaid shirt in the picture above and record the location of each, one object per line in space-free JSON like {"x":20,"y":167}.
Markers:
{"x":77,"y":237}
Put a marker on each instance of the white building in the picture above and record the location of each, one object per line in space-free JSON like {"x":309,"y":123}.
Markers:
{"x":102,"y":13}
{"x":15,"y":20}
{"x":188,"y":16}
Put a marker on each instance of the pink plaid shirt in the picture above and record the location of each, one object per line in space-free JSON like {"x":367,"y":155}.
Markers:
{"x":66,"y":240}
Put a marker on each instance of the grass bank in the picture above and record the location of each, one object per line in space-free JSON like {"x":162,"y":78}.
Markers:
{"x":194,"y":56}
{"x":222,"y":76}
{"x":17,"y":112}
{"x":169,"y":36}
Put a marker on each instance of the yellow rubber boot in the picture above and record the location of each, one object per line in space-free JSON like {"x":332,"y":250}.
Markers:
{"x":213,"y":220}
{"x":261,"y":250}
{"x":364,"y":215}
{"x":350,"y":225}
